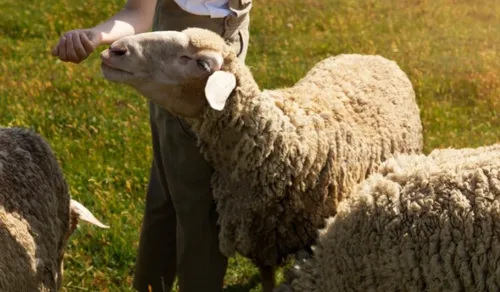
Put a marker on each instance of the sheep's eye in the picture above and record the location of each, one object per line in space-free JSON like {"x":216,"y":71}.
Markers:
{"x":203,"y":65}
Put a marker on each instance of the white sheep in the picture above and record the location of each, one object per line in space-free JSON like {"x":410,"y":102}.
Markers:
{"x":37,"y":215}
{"x":283,"y":158}
{"x":424,"y":223}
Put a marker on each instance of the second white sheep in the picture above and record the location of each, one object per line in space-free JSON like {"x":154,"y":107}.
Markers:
{"x":424,"y":223}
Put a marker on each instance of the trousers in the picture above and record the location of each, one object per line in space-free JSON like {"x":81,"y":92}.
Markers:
{"x":179,"y":233}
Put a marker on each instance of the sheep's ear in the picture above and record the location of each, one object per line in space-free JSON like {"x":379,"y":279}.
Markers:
{"x":78,"y":211}
{"x":218,"y":88}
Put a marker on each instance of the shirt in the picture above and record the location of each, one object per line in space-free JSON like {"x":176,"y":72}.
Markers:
{"x":213,"y":8}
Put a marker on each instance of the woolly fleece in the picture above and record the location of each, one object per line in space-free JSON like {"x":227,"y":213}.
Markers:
{"x":284,"y":158}
{"x":425,"y":223}
{"x":34,"y":213}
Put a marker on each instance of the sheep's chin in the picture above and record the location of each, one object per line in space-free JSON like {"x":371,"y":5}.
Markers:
{"x":115,"y":74}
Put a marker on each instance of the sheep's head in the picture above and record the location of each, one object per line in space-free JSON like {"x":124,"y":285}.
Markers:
{"x":180,"y":71}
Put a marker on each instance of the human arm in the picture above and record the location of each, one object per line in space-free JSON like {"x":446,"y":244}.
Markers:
{"x":135,"y":17}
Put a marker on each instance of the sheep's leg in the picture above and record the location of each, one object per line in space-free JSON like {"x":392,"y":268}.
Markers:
{"x":267,"y":278}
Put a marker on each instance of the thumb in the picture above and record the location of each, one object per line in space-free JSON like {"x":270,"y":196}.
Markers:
{"x":93,"y":37}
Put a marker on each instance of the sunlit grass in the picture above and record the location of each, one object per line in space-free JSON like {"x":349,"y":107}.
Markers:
{"x":100,"y":130}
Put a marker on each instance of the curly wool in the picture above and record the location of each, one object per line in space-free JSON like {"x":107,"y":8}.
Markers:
{"x":284,"y":158}
{"x":425,"y":223}
{"x":34,"y":213}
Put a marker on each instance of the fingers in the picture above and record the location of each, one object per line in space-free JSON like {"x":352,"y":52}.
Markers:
{"x":87,"y":44}
{"x":80,"y":51}
{"x":74,"y":46}
{"x":70,"y":49}
{"x":62,"y":49}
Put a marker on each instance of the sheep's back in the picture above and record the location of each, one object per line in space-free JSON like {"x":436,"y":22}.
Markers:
{"x":34,"y":211}
{"x":352,"y":112}
{"x":422,"y":223}
{"x":367,"y":93}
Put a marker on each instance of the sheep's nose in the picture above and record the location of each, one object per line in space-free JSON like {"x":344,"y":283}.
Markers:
{"x":117,"y":51}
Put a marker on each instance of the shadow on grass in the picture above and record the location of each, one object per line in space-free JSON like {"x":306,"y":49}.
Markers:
{"x":244,"y":287}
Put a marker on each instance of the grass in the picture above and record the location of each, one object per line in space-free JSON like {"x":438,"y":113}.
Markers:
{"x":100,"y":131}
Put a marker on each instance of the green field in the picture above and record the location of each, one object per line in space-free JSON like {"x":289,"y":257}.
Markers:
{"x":100,"y":132}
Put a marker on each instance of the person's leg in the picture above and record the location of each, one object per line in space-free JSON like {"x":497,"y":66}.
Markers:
{"x":156,"y":258}
{"x":200,"y":264}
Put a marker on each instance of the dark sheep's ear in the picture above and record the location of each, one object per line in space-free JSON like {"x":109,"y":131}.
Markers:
{"x":218,"y":89}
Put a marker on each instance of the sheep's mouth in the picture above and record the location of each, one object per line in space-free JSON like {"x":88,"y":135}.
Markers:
{"x":108,"y":67}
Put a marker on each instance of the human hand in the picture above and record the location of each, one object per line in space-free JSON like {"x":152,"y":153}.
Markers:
{"x":76,"y":45}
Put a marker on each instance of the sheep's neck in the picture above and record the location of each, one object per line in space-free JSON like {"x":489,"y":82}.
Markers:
{"x":250,"y":136}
